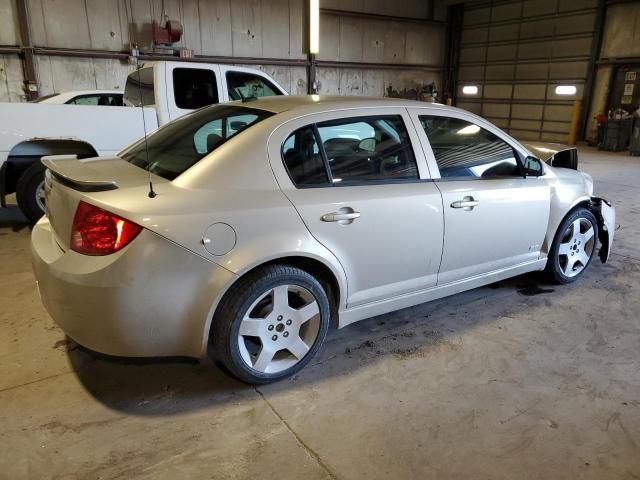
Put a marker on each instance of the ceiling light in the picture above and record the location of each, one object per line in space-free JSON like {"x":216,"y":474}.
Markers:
{"x":314,"y":26}
{"x":566,"y":90}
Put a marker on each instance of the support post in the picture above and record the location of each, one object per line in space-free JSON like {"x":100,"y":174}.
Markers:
{"x":575,"y":119}
{"x":453,"y":38}
{"x":312,"y":84}
{"x":596,"y":46}
{"x":28,"y":60}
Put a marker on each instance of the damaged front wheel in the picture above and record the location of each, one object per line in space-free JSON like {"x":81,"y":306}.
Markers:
{"x":573,"y":246}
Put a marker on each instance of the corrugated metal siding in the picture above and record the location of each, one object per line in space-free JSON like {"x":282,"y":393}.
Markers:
{"x":235,"y":28}
{"x":517,"y":52}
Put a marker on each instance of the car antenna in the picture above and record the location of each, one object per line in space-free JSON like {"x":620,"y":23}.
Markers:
{"x":152,"y":194}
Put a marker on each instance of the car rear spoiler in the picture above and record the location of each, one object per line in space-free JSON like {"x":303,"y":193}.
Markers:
{"x":70,"y":171}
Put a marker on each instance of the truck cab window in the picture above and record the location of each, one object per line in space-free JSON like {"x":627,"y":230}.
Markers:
{"x":244,"y":85}
{"x":139,"y":90}
{"x":194,"y":88}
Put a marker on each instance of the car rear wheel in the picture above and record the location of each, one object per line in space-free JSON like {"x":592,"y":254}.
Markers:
{"x":270,"y":324}
{"x":30,"y":192}
{"x":573,"y":246}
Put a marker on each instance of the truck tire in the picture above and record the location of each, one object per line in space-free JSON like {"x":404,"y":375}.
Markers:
{"x":30,"y":191}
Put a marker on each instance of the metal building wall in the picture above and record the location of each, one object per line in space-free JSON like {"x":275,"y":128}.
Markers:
{"x":620,"y":47}
{"x":353,"y":47}
{"x":517,"y":52}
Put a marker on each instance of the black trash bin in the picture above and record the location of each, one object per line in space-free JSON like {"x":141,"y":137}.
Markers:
{"x":634,"y":143}
{"x":616,"y":135}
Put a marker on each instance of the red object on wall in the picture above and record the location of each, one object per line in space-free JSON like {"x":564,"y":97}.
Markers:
{"x":167,"y":35}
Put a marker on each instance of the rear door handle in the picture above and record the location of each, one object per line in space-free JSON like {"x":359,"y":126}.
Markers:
{"x":337,"y":216}
{"x":467,"y":203}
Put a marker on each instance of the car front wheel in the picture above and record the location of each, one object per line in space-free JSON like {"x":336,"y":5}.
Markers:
{"x":270,"y":324}
{"x":573,"y":246}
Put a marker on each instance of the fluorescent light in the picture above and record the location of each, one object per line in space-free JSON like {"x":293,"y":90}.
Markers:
{"x":469,"y":130}
{"x":314,"y":26}
{"x":470,"y":90}
{"x":566,"y":90}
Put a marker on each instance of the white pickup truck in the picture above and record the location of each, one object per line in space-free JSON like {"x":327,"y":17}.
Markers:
{"x":159,"y":91}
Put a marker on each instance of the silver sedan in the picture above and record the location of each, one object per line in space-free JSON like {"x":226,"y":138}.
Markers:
{"x":255,"y":225}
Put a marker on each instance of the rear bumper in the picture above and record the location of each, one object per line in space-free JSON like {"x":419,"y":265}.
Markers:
{"x":153,"y":298}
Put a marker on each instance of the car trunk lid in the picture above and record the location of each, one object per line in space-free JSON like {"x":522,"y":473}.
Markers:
{"x":69,"y":181}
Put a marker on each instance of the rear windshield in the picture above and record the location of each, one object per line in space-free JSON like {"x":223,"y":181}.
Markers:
{"x":180,"y":144}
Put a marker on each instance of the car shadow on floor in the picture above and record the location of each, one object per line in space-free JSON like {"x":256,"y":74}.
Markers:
{"x":12,"y":217}
{"x":174,"y":386}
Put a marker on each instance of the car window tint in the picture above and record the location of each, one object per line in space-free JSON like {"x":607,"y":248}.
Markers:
{"x":217,"y":131}
{"x":302,"y":157}
{"x":463,"y":149}
{"x":85,"y":100}
{"x":368,"y":149}
{"x":244,"y":85}
{"x":103,"y":100}
{"x":194,"y":88}
{"x":178,"y":145}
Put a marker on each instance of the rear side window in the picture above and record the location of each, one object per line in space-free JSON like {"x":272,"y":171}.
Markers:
{"x":368,"y":149}
{"x":174,"y":148}
{"x":242,"y":85}
{"x":350,"y":151}
{"x":303,"y":159}
{"x":139,"y":89}
{"x":194,"y":88}
{"x":467,"y":151}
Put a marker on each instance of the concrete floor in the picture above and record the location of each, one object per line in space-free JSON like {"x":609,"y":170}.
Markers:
{"x":516,"y":380}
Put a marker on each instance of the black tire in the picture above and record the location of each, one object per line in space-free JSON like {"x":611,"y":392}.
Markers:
{"x":554,"y":268}
{"x":26,"y":191}
{"x":236,"y":303}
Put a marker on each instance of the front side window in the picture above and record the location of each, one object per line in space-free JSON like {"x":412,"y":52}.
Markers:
{"x":368,"y":149}
{"x":465,"y":150}
{"x":247,"y":85}
{"x":180,"y":144}
{"x":139,"y":89}
{"x":194,"y":88}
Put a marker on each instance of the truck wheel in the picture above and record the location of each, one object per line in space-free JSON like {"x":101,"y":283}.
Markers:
{"x":30,"y":191}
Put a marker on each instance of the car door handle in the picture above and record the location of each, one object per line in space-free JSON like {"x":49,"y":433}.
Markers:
{"x":338,"y":216}
{"x":466,"y":203}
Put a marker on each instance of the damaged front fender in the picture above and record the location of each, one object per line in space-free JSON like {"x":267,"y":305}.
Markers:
{"x":606,"y":216}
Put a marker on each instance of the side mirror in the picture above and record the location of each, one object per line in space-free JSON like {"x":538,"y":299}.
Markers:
{"x":532,"y":167}
{"x":237,"y":125}
{"x":367,"y":145}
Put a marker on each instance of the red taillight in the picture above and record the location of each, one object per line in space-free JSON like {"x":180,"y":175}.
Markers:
{"x":98,"y":232}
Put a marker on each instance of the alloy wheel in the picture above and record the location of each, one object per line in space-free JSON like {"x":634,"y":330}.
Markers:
{"x":279,"y":329}
{"x":576,"y":247}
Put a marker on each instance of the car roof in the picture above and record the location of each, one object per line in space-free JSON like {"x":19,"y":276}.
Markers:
{"x":92,"y":92}
{"x":323,"y":103}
